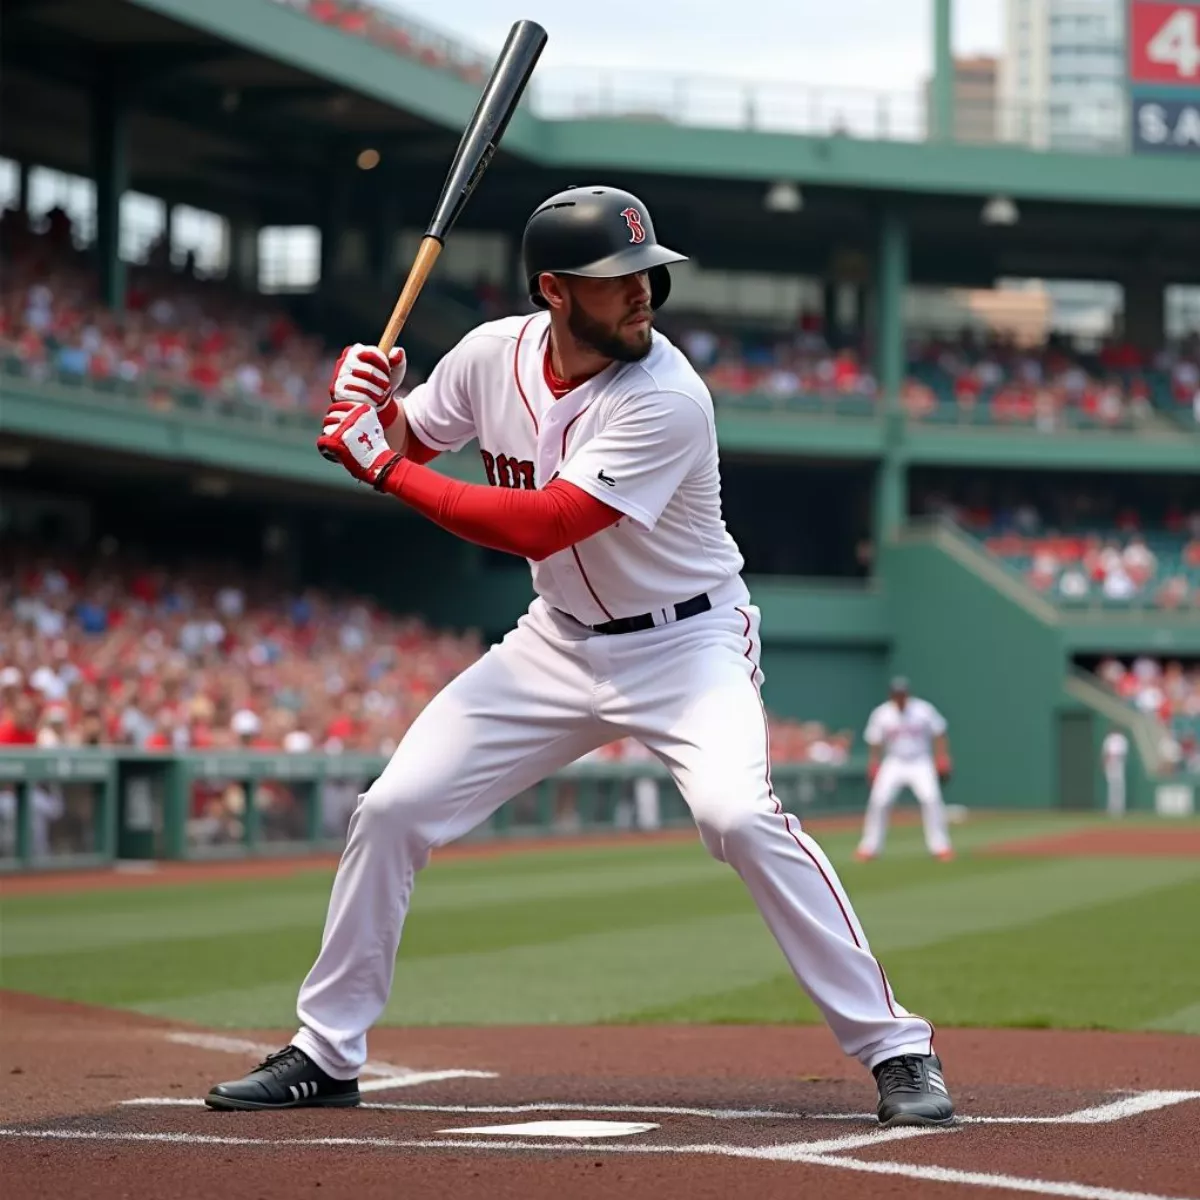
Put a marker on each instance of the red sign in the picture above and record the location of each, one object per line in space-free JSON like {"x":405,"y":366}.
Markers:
{"x":1164,"y":42}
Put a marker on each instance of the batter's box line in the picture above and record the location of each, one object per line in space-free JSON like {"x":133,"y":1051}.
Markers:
{"x":801,"y":1153}
{"x":1128,"y":1105}
{"x":382,"y":1077}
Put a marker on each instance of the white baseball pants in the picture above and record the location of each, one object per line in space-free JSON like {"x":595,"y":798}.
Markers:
{"x":895,"y":774}
{"x":545,"y":696}
{"x":1115,"y":777}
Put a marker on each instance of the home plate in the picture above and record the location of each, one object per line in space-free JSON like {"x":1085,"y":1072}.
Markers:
{"x":561,"y":1129}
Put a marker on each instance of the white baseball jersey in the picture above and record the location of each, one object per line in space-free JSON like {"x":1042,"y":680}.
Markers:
{"x":1115,"y":748}
{"x":906,"y":735}
{"x":638,"y":436}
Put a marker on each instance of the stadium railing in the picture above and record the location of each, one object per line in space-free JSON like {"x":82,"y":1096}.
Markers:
{"x":90,"y":807}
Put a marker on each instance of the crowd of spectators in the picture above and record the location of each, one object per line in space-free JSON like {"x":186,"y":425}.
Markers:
{"x":114,"y":651}
{"x":1167,"y":691}
{"x":1077,"y":549}
{"x":966,"y":377}
{"x":179,"y":337}
{"x":182,"y":339}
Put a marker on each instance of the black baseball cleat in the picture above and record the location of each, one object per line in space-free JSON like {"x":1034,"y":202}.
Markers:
{"x":286,"y":1079}
{"x":913,"y":1092}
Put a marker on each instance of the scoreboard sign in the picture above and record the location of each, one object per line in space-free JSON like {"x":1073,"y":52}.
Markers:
{"x":1164,"y":42}
{"x":1164,"y":76}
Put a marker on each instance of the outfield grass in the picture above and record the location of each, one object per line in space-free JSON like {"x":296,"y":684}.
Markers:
{"x":652,"y":932}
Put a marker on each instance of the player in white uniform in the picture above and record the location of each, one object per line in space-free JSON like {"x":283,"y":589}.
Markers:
{"x":601,"y":441}
{"x":1115,"y":752}
{"x":906,"y":732}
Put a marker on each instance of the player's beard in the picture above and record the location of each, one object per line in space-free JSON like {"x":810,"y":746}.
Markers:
{"x":630,"y":346}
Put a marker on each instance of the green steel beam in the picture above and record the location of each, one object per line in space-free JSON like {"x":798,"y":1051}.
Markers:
{"x":922,"y":168}
{"x":941,"y":108}
{"x":1080,"y":450}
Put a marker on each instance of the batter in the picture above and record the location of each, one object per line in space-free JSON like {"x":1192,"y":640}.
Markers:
{"x":599,"y":444}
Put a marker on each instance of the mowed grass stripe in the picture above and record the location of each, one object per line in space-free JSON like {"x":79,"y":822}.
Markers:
{"x":1113,"y":965}
{"x":159,"y":956}
{"x":1182,"y":1020}
{"x":93,"y":921}
{"x":219,"y":914}
{"x":674,"y":953}
{"x":923,"y":916}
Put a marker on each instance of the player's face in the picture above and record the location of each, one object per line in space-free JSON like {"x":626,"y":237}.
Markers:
{"x":611,"y":316}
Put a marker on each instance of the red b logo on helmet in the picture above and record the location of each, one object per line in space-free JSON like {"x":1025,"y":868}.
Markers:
{"x":633,"y":218}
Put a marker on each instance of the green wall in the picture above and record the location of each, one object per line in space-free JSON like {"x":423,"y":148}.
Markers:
{"x":988,"y":661}
{"x":836,"y":685}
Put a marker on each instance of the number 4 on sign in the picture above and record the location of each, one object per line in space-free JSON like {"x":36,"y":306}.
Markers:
{"x":1177,"y":43}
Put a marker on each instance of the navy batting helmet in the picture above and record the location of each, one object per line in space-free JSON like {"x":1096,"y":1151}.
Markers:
{"x":598,"y":232}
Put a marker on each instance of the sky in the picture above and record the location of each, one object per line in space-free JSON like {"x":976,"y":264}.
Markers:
{"x":880,"y":45}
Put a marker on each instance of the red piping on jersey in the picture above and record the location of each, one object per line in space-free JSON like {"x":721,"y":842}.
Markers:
{"x":424,"y":435}
{"x":517,"y":372}
{"x":887,"y":990}
{"x":567,"y":427}
{"x":579,"y":564}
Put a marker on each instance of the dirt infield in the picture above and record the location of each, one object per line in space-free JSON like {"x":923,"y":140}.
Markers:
{"x":1114,"y":842}
{"x":719,"y":1112}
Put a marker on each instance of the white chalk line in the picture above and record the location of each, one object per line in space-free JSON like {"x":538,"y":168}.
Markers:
{"x":384,"y":1076}
{"x":820,"y":1154}
{"x":1116,"y":1110}
{"x":1013,"y":1183}
{"x":236,"y":1045}
{"x":782,"y":1153}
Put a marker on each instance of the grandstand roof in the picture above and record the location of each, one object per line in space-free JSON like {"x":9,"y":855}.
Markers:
{"x":229,"y":117}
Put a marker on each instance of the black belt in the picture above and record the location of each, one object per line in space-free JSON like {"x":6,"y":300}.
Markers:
{"x":688,"y":608}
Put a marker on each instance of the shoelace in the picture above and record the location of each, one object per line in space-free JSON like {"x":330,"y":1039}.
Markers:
{"x":277,"y":1062}
{"x":902,"y":1074}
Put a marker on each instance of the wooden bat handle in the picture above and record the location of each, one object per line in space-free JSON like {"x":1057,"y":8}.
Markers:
{"x":427,"y":254}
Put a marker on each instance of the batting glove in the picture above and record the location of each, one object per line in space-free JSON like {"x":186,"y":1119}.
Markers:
{"x":365,"y":373}
{"x":353,"y":436}
{"x":872,"y":771}
{"x":944,"y":766}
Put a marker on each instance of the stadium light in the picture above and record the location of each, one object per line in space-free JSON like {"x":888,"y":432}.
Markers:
{"x":1000,"y":210}
{"x":783,"y":197}
{"x":368,"y":159}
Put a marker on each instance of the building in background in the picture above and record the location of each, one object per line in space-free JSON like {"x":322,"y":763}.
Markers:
{"x":974,"y":99}
{"x":1062,"y":74}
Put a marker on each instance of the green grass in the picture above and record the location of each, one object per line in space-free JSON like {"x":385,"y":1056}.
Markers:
{"x":645,"y":933}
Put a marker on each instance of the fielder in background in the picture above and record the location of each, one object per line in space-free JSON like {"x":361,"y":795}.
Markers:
{"x":1115,"y":751}
{"x":910,"y":736}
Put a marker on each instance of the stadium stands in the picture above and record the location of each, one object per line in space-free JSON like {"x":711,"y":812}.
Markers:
{"x":185,"y":342}
{"x":112,"y":650}
{"x":1081,"y":549}
{"x":1169,"y":691}
{"x":401,"y":35}
{"x":960,"y":379}
{"x":181,"y":341}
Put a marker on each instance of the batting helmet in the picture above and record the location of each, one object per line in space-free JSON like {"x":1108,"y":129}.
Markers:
{"x":598,"y":232}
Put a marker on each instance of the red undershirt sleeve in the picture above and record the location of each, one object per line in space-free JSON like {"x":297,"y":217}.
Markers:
{"x":531,"y":524}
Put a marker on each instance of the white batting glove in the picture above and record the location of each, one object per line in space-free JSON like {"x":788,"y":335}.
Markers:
{"x":352,"y":435}
{"x":364,"y":374}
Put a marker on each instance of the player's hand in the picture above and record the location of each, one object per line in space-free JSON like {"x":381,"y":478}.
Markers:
{"x":365,"y":373}
{"x":353,"y":436}
{"x":944,"y":767}
{"x":872,"y":771}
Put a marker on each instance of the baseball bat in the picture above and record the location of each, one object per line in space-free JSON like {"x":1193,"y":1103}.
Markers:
{"x":495,"y":108}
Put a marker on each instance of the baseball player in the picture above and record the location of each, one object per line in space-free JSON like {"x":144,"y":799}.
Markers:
{"x":909,"y":735}
{"x":1115,"y":751}
{"x":598,"y":441}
